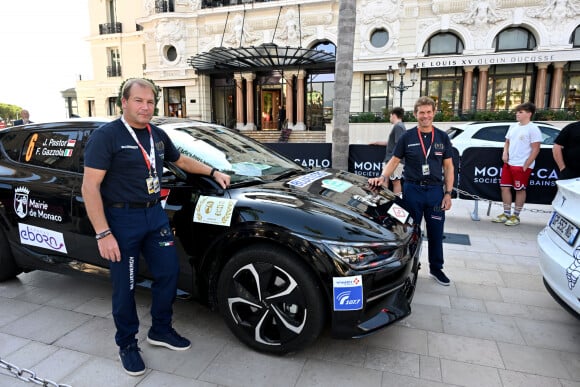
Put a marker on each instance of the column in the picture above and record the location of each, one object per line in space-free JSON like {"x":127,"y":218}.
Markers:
{"x":249,"y":77}
{"x":481,"y":103}
{"x":289,"y":77}
{"x":300,"y":79}
{"x":556,"y":91}
{"x":541,"y":85}
{"x":467,"y":88}
{"x":239,"y":102}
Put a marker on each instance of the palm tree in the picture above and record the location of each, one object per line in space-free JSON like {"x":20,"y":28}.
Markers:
{"x":343,"y":83}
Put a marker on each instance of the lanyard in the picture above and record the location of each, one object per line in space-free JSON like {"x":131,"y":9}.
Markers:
{"x":149,"y":158}
{"x":426,"y":153}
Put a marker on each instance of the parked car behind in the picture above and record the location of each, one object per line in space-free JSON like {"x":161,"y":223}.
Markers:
{"x":560,"y":247}
{"x":492,"y":134}
{"x":282,"y":252}
{"x":2,"y":123}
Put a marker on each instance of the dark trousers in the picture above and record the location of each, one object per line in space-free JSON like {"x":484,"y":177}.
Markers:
{"x":143,"y":231}
{"x":424,"y":201}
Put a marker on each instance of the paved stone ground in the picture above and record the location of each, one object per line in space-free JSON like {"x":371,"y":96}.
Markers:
{"x":495,"y":325}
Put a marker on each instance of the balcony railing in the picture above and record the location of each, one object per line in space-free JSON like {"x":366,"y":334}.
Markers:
{"x":223,"y":3}
{"x":114,"y":71}
{"x":110,"y":28}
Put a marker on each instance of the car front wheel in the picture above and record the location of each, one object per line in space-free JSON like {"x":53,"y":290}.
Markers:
{"x":270,"y":300}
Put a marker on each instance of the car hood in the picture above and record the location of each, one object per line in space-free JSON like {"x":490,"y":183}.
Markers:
{"x":567,"y":200}
{"x":326,"y":204}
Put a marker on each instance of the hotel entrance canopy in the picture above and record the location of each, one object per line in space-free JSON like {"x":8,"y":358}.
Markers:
{"x":265,"y":57}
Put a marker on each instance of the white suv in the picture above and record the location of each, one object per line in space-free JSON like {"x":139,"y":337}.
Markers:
{"x":492,"y":134}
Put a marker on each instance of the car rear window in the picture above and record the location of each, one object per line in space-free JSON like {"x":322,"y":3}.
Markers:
{"x":453,"y":132}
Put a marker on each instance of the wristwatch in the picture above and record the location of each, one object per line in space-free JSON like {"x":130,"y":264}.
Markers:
{"x":448,"y":193}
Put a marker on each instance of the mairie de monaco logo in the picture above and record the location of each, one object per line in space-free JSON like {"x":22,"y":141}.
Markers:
{"x":21,"y":201}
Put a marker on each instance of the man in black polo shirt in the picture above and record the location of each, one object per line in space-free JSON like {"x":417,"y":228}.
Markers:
{"x":428,"y":179}
{"x":121,"y":190}
{"x":566,"y":149}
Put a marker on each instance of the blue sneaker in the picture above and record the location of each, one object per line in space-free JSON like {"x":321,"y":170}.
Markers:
{"x":171,"y":340}
{"x":131,"y":360}
{"x":440,"y":277}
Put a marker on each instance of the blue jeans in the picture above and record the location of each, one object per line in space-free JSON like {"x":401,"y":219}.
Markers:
{"x":146,"y":232}
{"x":424,"y":201}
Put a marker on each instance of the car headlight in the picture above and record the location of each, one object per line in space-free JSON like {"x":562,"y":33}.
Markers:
{"x":359,"y":256}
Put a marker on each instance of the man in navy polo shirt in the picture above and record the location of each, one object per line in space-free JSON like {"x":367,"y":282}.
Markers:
{"x":428,"y":179}
{"x":121,"y":190}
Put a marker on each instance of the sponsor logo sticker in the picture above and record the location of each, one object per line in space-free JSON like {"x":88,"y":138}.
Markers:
{"x":41,"y":237}
{"x":398,"y":213}
{"x":348,"y":292}
{"x":303,"y":181}
{"x":212,"y":210}
{"x":337,"y":185}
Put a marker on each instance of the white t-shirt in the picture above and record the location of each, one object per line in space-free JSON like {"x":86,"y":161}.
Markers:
{"x":521,"y":138}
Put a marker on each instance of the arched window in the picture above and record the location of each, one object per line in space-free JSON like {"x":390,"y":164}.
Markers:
{"x":575,"y":38}
{"x":513,"y":39}
{"x":326,"y":46}
{"x":443,"y":43}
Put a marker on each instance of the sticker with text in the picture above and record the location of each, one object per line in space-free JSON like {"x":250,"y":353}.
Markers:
{"x":337,"y":185}
{"x":347,"y":292}
{"x":41,"y":237}
{"x":303,"y":181}
{"x":212,"y":210}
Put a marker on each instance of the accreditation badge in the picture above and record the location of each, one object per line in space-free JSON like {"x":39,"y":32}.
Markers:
{"x":153,"y":184}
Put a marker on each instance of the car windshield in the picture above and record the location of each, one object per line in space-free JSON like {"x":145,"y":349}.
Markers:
{"x":240,"y":157}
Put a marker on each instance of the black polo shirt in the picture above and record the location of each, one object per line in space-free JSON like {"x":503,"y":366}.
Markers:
{"x":409,"y":147}
{"x":112,"y":148}
{"x":569,"y":138}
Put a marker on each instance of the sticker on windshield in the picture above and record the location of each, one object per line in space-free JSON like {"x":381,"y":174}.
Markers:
{"x":212,"y":210}
{"x":337,"y":185}
{"x":303,"y":181}
{"x":249,"y":169}
{"x":348,"y":292}
{"x":398,"y":213}
{"x":41,"y":237}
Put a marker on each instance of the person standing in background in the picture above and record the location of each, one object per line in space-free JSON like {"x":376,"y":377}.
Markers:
{"x":398,"y":129}
{"x":522,"y":146}
{"x":566,"y":150}
{"x":24,"y":118}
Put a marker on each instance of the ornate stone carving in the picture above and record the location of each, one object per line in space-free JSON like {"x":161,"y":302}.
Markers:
{"x":375,"y":15}
{"x":194,"y":5}
{"x":240,"y":33}
{"x":149,"y":7}
{"x":292,"y":33}
{"x":481,"y":12}
{"x":556,"y":10}
{"x":170,"y":32}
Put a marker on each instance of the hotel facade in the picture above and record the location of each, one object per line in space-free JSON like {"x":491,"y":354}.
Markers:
{"x":254,"y":65}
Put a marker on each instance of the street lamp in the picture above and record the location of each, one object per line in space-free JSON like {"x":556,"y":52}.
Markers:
{"x":401,"y":87}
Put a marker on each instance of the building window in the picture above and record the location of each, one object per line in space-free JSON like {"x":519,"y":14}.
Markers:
{"x":162,"y":6}
{"x":319,"y":100}
{"x":443,"y":43}
{"x":444,"y":86}
{"x":575,"y":39}
{"x":174,"y":98}
{"x":170,"y":53}
{"x":509,"y":86}
{"x":376,"y":93}
{"x":514,"y":39}
{"x":379,"y":38}
{"x":91,"y":107}
{"x":325,"y":46}
{"x":114,"y":66}
{"x":112,"y":106}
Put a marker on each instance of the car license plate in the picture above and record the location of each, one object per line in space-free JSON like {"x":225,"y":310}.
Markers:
{"x":564,"y":228}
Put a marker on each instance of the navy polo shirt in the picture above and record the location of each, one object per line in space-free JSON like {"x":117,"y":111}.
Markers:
{"x":409,"y":147}
{"x":113,"y":149}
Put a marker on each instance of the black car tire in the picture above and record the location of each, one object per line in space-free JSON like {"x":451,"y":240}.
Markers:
{"x":270,"y":300}
{"x":8,"y":268}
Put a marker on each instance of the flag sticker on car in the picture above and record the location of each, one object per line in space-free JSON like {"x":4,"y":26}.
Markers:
{"x":212,"y":210}
{"x":347,"y":292}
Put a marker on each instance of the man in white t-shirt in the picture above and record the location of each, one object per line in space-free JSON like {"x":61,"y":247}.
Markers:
{"x":522,"y":146}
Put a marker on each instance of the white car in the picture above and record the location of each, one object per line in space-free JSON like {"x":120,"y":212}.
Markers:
{"x":560,"y":247}
{"x":492,"y":134}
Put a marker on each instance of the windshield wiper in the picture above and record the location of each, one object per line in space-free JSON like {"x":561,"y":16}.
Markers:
{"x":288,"y":173}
